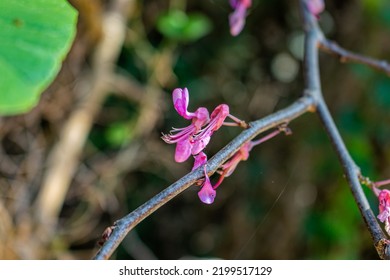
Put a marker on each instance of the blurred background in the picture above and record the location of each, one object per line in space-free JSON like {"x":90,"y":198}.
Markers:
{"x":91,"y":152}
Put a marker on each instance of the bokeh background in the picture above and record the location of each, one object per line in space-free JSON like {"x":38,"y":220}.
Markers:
{"x":288,"y":201}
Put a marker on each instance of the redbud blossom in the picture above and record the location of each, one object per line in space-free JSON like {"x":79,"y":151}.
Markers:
{"x":207,"y":193}
{"x":384,"y":209}
{"x":192,"y":140}
{"x":237,"y":18}
{"x":316,"y":7}
{"x":183,"y":137}
{"x":195,"y":137}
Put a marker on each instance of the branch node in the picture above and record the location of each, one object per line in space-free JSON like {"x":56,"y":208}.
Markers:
{"x":383,"y":248}
{"x":106,"y":235}
{"x":284,"y":128}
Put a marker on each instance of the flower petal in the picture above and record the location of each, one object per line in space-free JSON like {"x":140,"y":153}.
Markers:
{"x":245,"y":3}
{"x":200,"y":117}
{"x":316,"y":7}
{"x":384,"y":215}
{"x":183,"y":150}
{"x":207,"y":193}
{"x":218,"y":116}
{"x":237,"y":20}
{"x":200,"y":143}
{"x":384,"y":208}
{"x":384,"y":200}
{"x":200,"y":159}
{"x":180,"y":99}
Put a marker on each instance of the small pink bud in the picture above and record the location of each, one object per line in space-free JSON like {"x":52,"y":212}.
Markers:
{"x":237,"y":18}
{"x":207,"y":193}
{"x":316,"y":7}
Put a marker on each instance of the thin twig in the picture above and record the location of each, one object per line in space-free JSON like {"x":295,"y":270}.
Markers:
{"x":124,"y":225}
{"x":348,"y":56}
{"x":351,"y":170}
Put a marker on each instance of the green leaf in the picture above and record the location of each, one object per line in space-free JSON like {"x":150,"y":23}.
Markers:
{"x":35,"y":37}
{"x":182,"y":27}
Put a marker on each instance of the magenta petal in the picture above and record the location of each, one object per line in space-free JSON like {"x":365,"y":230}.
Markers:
{"x":180,"y":99}
{"x":219,"y":115}
{"x":207,"y":193}
{"x":246,"y":3}
{"x":201,"y":117}
{"x":234,"y":3}
{"x":384,"y":208}
{"x":183,"y":150}
{"x":316,"y":6}
{"x":384,"y":200}
{"x":200,"y":159}
{"x":200,"y":144}
{"x":383,"y":216}
{"x":237,"y":20}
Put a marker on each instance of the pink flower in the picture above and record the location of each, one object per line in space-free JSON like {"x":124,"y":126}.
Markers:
{"x":183,"y":137}
{"x":237,"y":18}
{"x":207,"y":193}
{"x":192,"y":140}
{"x":195,"y":137}
{"x":316,"y":7}
{"x":384,"y":208}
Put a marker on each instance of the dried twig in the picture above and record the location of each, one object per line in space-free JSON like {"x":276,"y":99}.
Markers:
{"x":348,"y":56}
